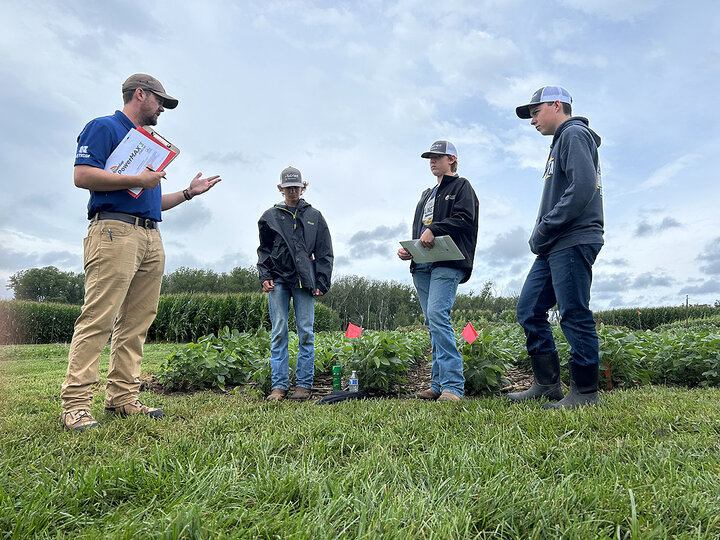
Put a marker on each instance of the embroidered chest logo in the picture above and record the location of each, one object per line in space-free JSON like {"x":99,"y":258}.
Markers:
{"x":449,"y":197}
{"x":549,"y":168}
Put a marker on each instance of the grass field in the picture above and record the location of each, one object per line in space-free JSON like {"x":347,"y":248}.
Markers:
{"x":645,"y":465}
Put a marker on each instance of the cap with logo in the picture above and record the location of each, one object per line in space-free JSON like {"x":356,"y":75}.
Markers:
{"x":546,"y":94}
{"x":148,"y":82}
{"x":291,"y":177}
{"x":440,"y":147}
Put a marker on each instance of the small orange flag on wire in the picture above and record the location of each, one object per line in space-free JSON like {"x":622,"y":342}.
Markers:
{"x":353,"y":331}
{"x":608,"y":375}
{"x":470,"y":334}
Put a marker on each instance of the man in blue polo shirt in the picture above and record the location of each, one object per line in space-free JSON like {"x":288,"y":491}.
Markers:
{"x":123,"y":258}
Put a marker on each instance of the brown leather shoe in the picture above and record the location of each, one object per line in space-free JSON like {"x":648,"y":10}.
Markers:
{"x":448,"y":396}
{"x":277,"y":394}
{"x":78,"y":420}
{"x":135,"y":407}
{"x":300,"y":394}
{"x":428,"y":394}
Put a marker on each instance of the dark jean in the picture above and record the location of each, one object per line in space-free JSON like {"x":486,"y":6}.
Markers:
{"x":563,"y":277}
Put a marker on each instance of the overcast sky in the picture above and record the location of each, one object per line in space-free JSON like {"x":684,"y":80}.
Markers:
{"x":352,"y":93}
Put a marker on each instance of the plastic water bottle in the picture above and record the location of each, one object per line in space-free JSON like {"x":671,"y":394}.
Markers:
{"x":353,"y":382}
{"x":337,"y":381}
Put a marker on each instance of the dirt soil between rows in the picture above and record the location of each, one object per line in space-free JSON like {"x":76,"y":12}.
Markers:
{"x":418,"y":378}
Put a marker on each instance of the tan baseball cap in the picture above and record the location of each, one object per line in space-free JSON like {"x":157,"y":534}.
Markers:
{"x":148,"y":82}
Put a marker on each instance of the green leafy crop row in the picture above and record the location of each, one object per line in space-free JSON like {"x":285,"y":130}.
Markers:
{"x":381,"y":359}
{"x":679,"y":356}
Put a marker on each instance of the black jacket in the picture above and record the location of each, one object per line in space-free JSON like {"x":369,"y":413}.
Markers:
{"x":295,"y":247}
{"x":456,"y":215}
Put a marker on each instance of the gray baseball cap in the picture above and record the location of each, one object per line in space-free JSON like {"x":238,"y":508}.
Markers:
{"x":546,"y":94}
{"x":440,"y":147}
{"x":291,"y":177}
{"x":148,"y":82}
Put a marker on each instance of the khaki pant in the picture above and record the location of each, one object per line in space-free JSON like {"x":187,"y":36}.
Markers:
{"x":124,"y":265}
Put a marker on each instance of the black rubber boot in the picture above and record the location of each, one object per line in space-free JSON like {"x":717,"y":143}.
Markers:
{"x":546,"y":379}
{"x":583,"y":388}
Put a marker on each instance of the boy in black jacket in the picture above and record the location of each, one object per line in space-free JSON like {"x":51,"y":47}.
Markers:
{"x":448,"y":208}
{"x":295,"y":260}
{"x":567,"y":237}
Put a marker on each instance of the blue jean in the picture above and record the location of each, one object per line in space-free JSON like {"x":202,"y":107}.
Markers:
{"x":436,"y":290}
{"x":279,"y":305}
{"x":563,"y":277}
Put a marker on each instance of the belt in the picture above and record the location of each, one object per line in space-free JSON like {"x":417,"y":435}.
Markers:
{"x":127,"y":218}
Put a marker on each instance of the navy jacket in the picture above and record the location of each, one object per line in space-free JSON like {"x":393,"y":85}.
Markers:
{"x":456,"y":215}
{"x":571,"y":208}
{"x":295,"y":247}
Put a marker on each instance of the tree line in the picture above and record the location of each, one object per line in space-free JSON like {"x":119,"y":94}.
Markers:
{"x":369,"y":303}
{"x":47,"y":284}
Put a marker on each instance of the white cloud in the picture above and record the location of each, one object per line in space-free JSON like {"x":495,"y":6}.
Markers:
{"x":528,"y":152}
{"x":668,"y":171}
{"x":711,"y":286}
{"x":506,"y":247}
{"x":342,"y":20}
{"x":476,"y":144}
{"x":494,"y":208}
{"x":510,"y":92}
{"x":467,"y":60}
{"x":586,"y":61}
{"x":615,"y":10}
{"x":710,"y":258}
{"x":558,"y":31}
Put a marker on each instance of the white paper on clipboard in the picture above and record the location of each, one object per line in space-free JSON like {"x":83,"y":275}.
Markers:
{"x":445,"y":249}
{"x":151,"y":132}
{"x":139,"y":149}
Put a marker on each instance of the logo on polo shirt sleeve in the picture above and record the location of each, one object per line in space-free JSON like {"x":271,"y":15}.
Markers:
{"x":82,"y":152}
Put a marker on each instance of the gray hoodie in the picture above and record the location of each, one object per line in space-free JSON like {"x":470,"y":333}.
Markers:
{"x":571,"y":208}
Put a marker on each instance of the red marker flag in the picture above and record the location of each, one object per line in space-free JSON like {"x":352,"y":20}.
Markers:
{"x":608,"y":384}
{"x":470,"y":334}
{"x":353,"y":331}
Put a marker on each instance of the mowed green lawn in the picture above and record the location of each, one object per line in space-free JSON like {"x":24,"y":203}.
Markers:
{"x":645,"y":465}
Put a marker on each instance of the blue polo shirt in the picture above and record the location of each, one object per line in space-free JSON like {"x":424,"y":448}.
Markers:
{"x":95,"y":144}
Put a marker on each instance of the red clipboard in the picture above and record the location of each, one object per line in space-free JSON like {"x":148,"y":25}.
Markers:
{"x":150,"y":133}
{"x":154,"y":136}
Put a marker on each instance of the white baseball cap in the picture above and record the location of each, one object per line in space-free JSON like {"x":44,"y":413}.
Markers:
{"x":546,"y":94}
{"x":441,"y":147}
